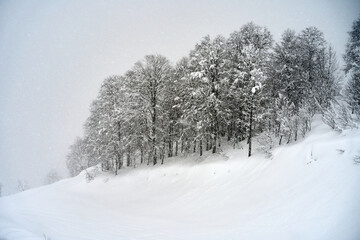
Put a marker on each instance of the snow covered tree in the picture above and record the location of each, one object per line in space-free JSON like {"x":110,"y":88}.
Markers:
{"x":303,"y":72}
{"x":330,"y":84}
{"x":204,"y":104}
{"x":76,"y":160}
{"x":103,"y":128}
{"x":151,"y":77}
{"x":285,"y":72}
{"x":239,"y":86}
{"x":52,"y":177}
{"x":352,"y":67}
{"x":248,"y":54}
{"x":312,"y":55}
{"x":180,"y":128}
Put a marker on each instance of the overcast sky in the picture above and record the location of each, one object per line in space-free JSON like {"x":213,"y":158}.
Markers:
{"x":55,"y":54}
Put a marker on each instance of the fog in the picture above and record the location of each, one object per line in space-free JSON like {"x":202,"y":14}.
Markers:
{"x":55,"y":54}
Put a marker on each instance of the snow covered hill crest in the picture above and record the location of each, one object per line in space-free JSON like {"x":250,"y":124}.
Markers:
{"x":307,"y":190}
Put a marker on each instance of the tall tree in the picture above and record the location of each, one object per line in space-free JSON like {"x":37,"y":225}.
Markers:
{"x":205,"y":100}
{"x":249,"y":52}
{"x":312,"y":50}
{"x":352,"y":67}
{"x":104,"y":126}
{"x":151,"y":77}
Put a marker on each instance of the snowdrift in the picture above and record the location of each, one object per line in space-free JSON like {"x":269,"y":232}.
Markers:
{"x":307,"y":190}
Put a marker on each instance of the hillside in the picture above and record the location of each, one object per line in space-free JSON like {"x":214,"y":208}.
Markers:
{"x":307,"y":190}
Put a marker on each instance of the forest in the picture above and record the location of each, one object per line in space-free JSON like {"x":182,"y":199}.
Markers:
{"x":243,"y":88}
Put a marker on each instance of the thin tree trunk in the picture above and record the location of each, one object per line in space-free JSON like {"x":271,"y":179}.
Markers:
{"x":289,"y":138}
{"x":214,"y":144}
{"x":128,"y":157}
{"x":154,"y":157}
{"x":141,"y":155}
{"x":182,"y":145}
{"x":170,"y":149}
{"x":176,"y":147}
{"x":230,"y":132}
{"x":250,"y":130}
{"x":170,"y":153}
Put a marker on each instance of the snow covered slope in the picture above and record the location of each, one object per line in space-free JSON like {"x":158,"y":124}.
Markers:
{"x":308,"y":190}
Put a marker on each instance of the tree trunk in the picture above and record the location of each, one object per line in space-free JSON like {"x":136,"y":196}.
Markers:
{"x":230,"y":132}
{"x":170,"y":153}
{"x":128,"y":157}
{"x":214,"y":144}
{"x":289,"y":138}
{"x":153,"y":123}
{"x":182,"y":145}
{"x":176,"y":147}
{"x":141,"y":155}
{"x":170,"y":149}
{"x":154,"y":157}
{"x":250,"y":130}
{"x":200,"y":147}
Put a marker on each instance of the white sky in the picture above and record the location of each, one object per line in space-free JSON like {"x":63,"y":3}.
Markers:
{"x":55,"y":54}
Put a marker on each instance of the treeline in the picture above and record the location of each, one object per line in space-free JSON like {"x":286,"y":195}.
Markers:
{"x":228,"y":89}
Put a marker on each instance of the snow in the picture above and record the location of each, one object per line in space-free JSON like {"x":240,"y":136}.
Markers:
{"x":308,"y":190}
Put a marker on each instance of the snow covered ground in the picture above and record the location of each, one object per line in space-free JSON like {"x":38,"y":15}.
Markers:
{"x":308,"y":190}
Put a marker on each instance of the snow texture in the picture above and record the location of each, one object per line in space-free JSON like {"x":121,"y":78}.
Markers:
{"x":308,"y":190}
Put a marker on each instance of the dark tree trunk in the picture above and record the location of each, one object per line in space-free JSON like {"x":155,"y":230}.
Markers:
{"x":170,"y":153}
{"x":153,"y":122}
{"x":170,"y":149}
{"x":182,"y":145}
{"x":176,"y":147}
{"x":214,"y":144}
{"x":278,"y":130}
{"x":230,"y":132}
{"x":250,"y":130}
{"x":141,"y":155}
{"x":128,"y":157}
{"x":200,"y":147}
{"x":154,"y":157}
{"x":163,"y":150}
{"x":210,"y":142}
{"x":289,"y":139}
